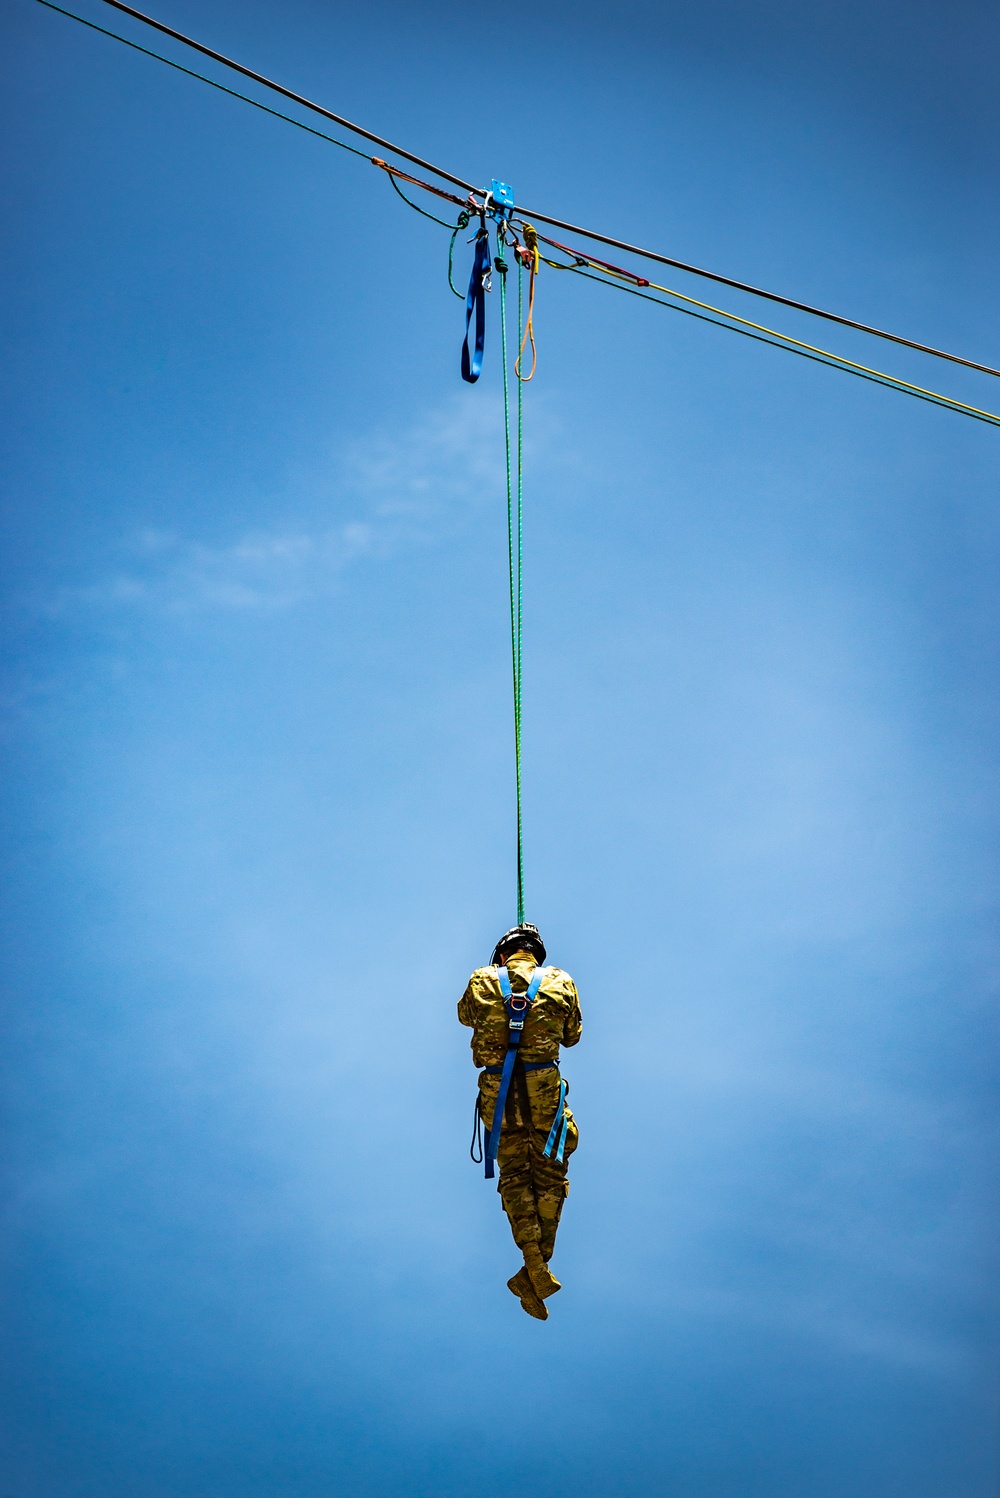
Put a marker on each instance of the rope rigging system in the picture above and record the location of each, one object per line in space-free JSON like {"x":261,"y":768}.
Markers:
{"x":514,"y":232}
{"x":475,"y":197}
{"x":500,"y":208}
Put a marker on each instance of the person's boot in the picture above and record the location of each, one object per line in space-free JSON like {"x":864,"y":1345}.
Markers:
{"x":543,"y":1281}
{"x":522,"y":1287}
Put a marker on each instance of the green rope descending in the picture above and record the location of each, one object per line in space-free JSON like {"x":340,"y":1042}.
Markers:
{"x":520,"y":601}
{"x":515,"y":549}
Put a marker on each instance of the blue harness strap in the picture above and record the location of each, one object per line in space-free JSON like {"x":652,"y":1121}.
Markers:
{"x":476,"y":299}
{"x":517,"y":1006}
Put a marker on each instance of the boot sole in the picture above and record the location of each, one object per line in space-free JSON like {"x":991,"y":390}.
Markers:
{"x":531,"y":1303}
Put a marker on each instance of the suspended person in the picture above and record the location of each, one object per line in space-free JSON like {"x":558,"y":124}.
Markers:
{"x":520,"y":1013}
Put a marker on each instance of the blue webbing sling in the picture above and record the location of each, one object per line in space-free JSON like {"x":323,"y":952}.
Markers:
{"x":560,"y":1125}
{"x":517,"y":1006}
{"x":475,"y":300}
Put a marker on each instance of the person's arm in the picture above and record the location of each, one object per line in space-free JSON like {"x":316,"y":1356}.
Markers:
{"x":573,"y":1028}
{"x":465,"y":1007}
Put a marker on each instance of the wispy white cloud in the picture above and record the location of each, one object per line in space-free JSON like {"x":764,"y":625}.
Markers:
{"x":397,"y":489}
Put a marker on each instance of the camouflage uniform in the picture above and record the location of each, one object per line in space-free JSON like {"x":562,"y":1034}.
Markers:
{"x":532,"y":1187}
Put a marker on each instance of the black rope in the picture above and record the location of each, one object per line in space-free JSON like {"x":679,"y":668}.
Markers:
{"x":592,"y":234}
{"x":618,"y":244}
{"x":477,"y":1135}
{"x":338,"y":119}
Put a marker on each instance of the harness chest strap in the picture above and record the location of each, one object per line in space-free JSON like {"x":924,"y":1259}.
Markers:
{"x":517,"y":1006}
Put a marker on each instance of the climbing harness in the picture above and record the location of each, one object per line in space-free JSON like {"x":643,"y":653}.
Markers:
{"x":517,"y":1006}
{"x":476,"y":1147}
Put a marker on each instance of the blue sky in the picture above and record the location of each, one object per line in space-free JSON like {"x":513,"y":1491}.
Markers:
{"x":258,"y":796}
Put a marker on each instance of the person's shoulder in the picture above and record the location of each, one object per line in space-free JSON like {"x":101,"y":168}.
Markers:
{"x":555,"y":977}
{"x":484,"y":978}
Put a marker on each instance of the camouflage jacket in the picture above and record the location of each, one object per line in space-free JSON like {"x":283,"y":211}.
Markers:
{"x":553,"y":1019}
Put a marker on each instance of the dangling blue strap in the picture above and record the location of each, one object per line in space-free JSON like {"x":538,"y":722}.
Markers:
{"x":560,"y":1118}
{"x":517,"y":1012}
{"x":562,"y":1137}
{"x":476,"y":298}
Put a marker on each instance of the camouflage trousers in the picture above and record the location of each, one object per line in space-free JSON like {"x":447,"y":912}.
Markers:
{"x":532,"y":1186}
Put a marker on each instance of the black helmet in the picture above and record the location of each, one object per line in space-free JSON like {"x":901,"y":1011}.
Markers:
{"x":523,"y":938}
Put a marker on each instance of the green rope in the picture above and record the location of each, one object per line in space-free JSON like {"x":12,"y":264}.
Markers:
{"x":416,"y":206}
{"x":463,"y":223}
{"x":233,"y":94}
{"x":520,"y":599}
{"x":514,"y":552}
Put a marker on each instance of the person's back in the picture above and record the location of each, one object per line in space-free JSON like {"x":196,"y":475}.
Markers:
{"x":520,"y":1015}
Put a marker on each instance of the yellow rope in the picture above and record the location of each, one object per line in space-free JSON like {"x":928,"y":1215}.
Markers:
{"x":531,"y":257}
{"x":793,"y":342}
